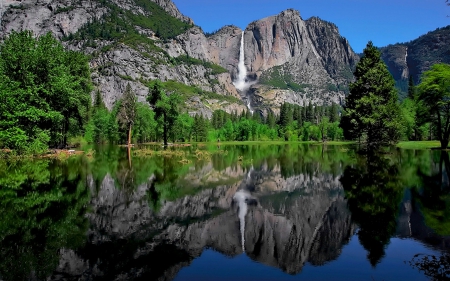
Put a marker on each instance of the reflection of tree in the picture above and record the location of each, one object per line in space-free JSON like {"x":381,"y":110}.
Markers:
{"x":437,"y":268}
{"x":374,"y":192}
{"x":164,"y":186}
{"x":42,"y":207}
{"x":434,"y":198}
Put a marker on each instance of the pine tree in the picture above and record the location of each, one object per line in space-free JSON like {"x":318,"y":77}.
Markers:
{"x":371,"y":109}
{"x":164,"y":106}
{"x":270,"y":120}
{"x":310,"y":113}
{"x":411,"y":88}
{"x":284,"y":115}
{"x":333,"y":114}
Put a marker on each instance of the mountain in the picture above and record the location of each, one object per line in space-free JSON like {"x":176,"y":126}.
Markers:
{"x":415,"y":57}
{"x":135,"y":42}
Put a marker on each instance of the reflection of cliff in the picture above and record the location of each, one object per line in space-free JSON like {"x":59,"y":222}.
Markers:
{"x":424,"y":212}
{"x":297,"y":219}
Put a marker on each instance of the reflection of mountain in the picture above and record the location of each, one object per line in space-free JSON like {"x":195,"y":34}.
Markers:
{"x":297,"y":219}
{"x":411,"y":224}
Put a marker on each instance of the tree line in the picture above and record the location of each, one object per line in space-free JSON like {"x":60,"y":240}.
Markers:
{"x":45,"y":94}
{"x":131,"y":121}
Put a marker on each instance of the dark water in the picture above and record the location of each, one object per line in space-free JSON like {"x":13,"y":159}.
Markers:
{"x":257,"y":212}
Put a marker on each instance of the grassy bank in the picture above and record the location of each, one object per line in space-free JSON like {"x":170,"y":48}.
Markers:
{"x":419,"y":144}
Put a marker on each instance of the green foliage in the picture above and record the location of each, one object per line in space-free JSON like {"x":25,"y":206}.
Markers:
{"x":64,"y":9}
{"x":278,"y":79}
{"x":144,"y":128}
{"x":119,"y":24}
{"x":186,"y":91}
{"x":45,"y":92}
{"x":215,"y":68}
{"x":371,"y":109}
{"x":434,"y":97}
{"x":43,"y":208}
{"x":165,"y":107}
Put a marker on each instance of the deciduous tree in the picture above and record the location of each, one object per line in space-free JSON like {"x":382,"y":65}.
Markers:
{"x":434,"y":96}
{"x":44,"y":92}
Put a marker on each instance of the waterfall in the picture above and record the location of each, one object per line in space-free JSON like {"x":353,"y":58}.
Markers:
{"x":241,"y":83}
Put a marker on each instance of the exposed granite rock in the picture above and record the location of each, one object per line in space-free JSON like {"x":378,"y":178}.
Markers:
{"x":170,"y":7}
{"x":396,"y":57}
{"x":334,"y":50}
{"x":60,"y":17}
{"x":415,"y":57}
{"x":298,"y":49}
{"x":224,"y":48}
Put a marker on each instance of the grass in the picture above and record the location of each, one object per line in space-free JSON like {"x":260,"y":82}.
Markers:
{"x":419,"y":144}
{"x":274,"y":142}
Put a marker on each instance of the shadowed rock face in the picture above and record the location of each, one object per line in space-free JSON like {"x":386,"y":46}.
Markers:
{"x":415,"y":57}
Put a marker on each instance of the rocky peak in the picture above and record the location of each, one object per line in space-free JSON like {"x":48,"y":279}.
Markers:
{"x":275,"y":40}
{"x":334,"y":50}
{"x":170,"y":8}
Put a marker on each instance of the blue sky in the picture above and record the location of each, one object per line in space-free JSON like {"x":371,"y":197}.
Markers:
{"x":382,"y":21}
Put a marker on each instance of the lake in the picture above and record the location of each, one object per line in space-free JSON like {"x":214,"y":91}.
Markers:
{"x":227,"y":212}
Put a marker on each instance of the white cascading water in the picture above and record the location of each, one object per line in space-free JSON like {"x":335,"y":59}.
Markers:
{"x":240,"y":197}
{"x":241,"y":83}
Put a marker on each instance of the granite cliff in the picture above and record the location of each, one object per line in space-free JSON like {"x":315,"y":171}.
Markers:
{"x":414,"y":57}
{"x":289,"y":59}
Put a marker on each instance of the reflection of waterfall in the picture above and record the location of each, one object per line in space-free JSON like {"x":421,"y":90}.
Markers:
{"x":242,"y":84}
{"x":241,"y":197}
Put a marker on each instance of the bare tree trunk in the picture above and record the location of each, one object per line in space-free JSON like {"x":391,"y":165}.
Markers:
{"x":129,"y":156}
{"x":129,"y":135}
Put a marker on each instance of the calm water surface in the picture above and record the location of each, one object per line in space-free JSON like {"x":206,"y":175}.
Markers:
{"x":254,"y":212}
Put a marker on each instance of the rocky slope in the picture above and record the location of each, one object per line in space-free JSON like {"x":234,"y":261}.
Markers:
{"x":415,"y":57}
{"x":308,"y":60}
{"x":135,"y":58}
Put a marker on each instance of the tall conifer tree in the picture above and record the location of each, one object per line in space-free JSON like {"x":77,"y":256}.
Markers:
{"x":371,"y":109}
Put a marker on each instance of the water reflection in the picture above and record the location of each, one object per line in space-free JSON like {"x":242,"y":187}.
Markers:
{"x":43,"y":206}
{"x":374,"y":191}
{"x":115,"y":217}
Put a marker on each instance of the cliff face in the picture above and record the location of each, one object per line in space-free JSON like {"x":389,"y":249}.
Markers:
{"x":116,"y":63}
{"x":307,"y":54}
{"x":297,"y":61}
{"x":415,"y":57}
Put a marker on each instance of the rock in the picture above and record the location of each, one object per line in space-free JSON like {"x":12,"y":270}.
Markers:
{"x":415,"y":57}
